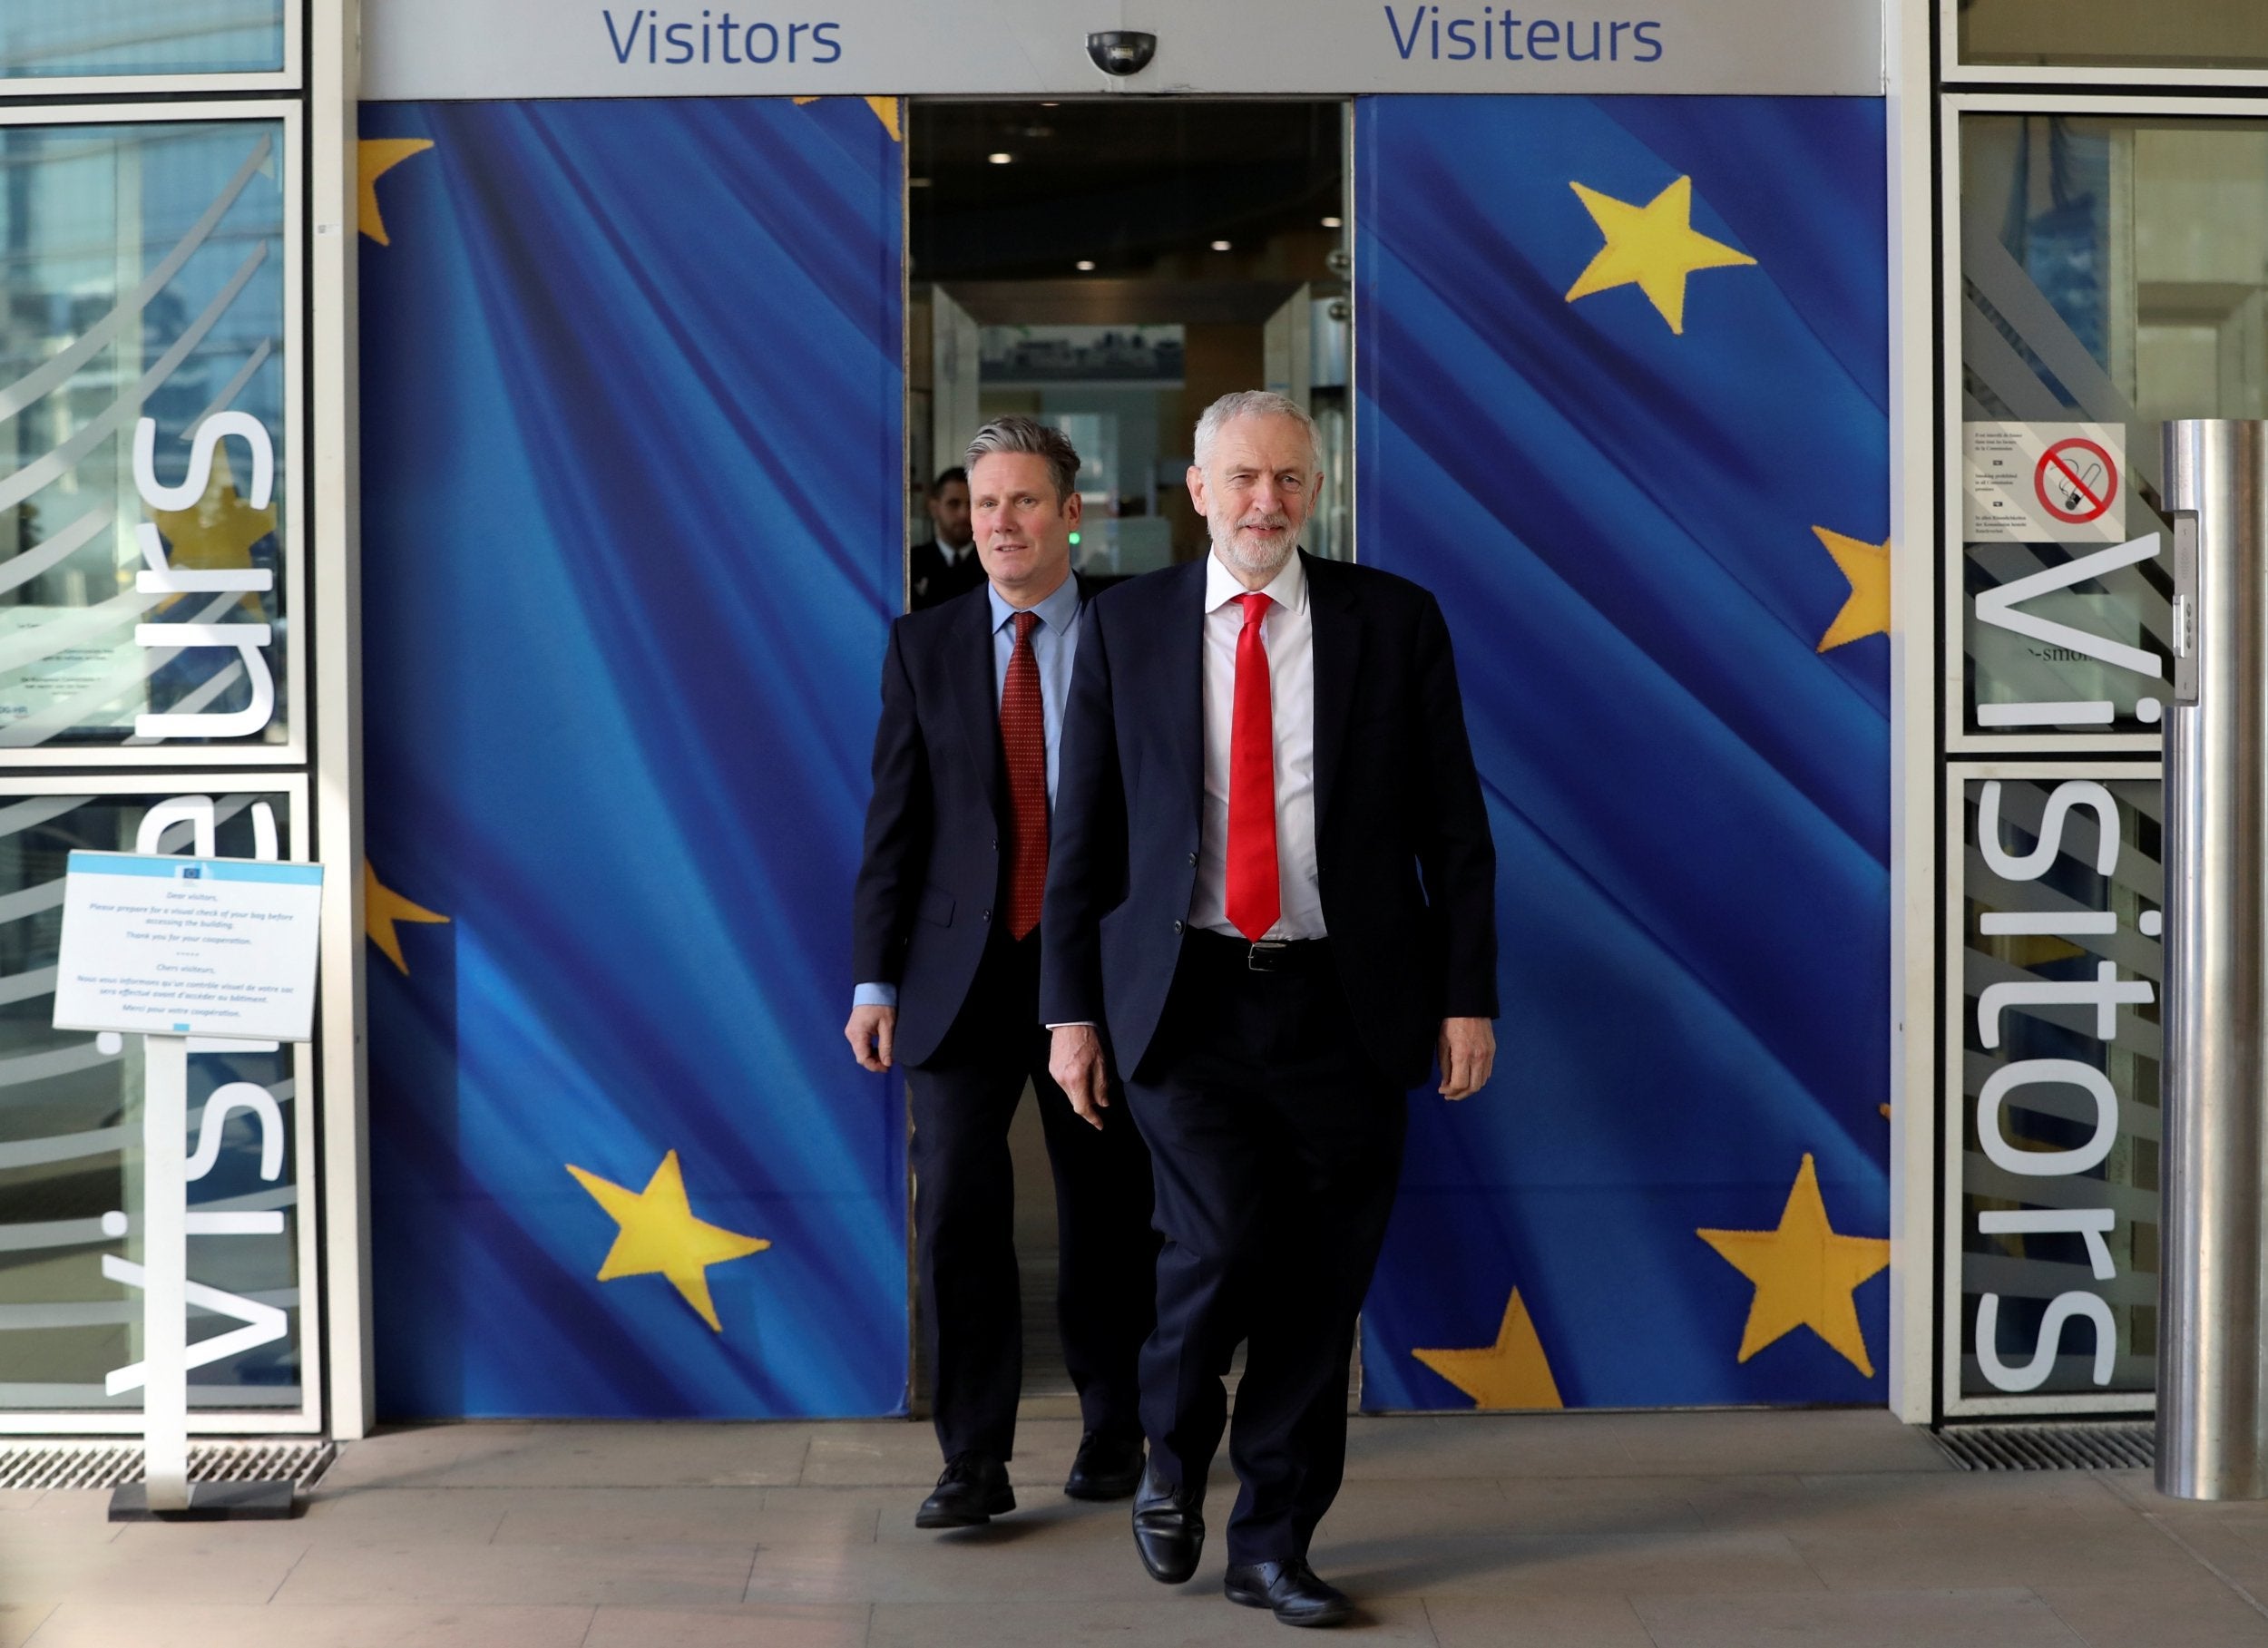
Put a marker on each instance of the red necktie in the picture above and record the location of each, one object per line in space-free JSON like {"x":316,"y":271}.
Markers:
{"x":1255,"y":891}
{"x":1023,"y":739}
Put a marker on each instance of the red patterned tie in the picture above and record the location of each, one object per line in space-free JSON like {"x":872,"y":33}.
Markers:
{"x":1024,"y":740}
{"x":1256,"y":892}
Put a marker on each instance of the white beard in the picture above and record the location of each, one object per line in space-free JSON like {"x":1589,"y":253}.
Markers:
{"x":1260,"y":563}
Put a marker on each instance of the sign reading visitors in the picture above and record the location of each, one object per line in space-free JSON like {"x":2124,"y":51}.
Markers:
{"x":159,"y":945}
{"x":679,"y":48}
{"x":2059,"y":1077}
{"x":2043,"y":483}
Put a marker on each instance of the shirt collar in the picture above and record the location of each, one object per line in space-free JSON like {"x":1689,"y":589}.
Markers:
{"x":1056,"y":612}
{"x":1288,"y":588}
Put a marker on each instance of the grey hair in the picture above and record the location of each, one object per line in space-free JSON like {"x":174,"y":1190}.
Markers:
{"x":1254,"y":403}
{"x":1019,"y":433}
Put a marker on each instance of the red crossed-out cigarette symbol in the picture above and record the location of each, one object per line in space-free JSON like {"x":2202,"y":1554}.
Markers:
{"x":2076,"y":480}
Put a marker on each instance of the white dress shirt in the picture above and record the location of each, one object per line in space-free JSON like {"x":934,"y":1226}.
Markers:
{"x":1288,"y":632}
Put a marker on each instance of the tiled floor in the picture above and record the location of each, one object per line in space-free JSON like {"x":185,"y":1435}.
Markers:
{"x":1716,"y":1530}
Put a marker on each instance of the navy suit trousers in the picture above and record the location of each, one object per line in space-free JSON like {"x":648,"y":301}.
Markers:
{"x":963,"y":1098}
{"x":1276,"y":1146}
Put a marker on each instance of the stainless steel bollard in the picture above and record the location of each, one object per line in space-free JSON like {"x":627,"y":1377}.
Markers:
{"x":2213,"y":1363}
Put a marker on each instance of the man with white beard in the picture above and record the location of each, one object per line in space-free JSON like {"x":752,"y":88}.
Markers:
{"x":1272,"y":889}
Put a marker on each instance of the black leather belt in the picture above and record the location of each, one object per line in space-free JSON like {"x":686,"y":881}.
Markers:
{"x":1265,"y":955}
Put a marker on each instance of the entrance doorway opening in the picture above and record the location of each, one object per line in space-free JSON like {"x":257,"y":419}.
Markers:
{"x":1111,"y":266}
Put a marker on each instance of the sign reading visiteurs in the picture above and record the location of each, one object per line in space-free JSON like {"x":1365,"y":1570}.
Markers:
{"x":144,"y":404}
{"x":71,"y":1284}
{"x":659,"y":48}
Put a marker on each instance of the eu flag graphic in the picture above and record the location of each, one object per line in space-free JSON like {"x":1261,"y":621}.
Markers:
{"x":1623,"y":390}
{"x":631,"y":449}
{"x":631,"y":412}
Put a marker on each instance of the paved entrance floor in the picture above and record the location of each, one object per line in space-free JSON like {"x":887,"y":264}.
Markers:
{"x":1576,"y":1531}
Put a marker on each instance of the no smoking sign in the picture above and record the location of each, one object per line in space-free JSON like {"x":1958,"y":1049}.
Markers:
{"x":2043,"y":483}
{"x":2076,"y":480}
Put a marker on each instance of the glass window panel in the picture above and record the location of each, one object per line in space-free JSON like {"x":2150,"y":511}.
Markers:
{"x":2114,"y":273}
{"x":71,"y":1143}
{"x":141,"y":280}
{"x":2165,"y":34}
{"x":50,"y":38}
{"x":2061,"y":1193}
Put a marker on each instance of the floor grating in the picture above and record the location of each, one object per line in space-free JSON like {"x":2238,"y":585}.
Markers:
{"x":106,"y":1464}
{"x":2109,"y":1445}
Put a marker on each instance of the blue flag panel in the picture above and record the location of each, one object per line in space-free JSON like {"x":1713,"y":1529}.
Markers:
{"x":1623,"y":392}
{"x":631,"y":454}
{"x":632,"y":450}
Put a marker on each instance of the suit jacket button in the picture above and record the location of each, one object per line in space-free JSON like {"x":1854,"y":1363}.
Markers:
{"x":1176,"y":927}
{"x":985,"y":917}
{"x":1193,"y":858}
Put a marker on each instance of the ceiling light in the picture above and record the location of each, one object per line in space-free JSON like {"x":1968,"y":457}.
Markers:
{"x":1332,"y":223}
{"x":1220,"y":246}
{"x":1047,"y":105}
{"x":1000,"y":157}
{"x":1085,"y":263}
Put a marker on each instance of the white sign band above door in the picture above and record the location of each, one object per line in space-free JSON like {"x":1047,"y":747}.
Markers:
{"x":443,"y":49}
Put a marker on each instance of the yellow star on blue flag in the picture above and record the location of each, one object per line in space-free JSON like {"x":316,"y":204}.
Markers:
{"x":374,"y":158}
{"x":885,"y":110}
{"x":1804,"y":1273}
{"x":1514,"y":1372}
{"x":658,"y":1233}
{"x":1653,"y":246}
{"x":1867,"y":568}
{"x":382,"y":907}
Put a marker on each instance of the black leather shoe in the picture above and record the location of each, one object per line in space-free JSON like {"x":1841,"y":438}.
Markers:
{"x":1288,"y":1589}
{"x":971,"y":1492}
{"x":1105,"y":1469}
{"x":1168,"y":1527}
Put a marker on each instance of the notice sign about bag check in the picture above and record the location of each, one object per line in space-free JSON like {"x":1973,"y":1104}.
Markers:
{"x":2043,"y":483}
{"x":159,"y":945}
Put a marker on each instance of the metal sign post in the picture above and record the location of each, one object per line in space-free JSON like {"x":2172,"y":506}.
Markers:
{"x":175,"y":948}
{"x":165,"y":1276}
{"x":2213,"y":1363}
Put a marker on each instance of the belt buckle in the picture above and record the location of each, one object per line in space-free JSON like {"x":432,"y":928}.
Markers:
{"x":1267,"y":955}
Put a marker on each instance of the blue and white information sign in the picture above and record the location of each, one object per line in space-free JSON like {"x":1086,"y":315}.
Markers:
{"x":159,"y":945}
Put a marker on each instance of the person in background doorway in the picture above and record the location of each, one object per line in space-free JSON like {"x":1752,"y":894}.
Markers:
{"x":947,"y":947}
{"x":1273,"y":888}
{"x":948,"y":564}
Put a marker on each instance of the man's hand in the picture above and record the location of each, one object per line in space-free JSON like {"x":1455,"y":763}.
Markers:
{"x":870,"y":1032}
{"x":1075,"y":1060}
{"x":1467,"y":1051}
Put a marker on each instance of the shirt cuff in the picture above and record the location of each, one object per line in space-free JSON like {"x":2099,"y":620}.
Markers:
{"x":1073,"y":1024}
{"x":875,"y":995}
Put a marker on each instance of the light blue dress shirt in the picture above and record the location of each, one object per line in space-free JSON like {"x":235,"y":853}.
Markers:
{"x":1054,"y":647}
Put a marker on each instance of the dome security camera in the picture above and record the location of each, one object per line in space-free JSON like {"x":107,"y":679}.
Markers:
{"x":1121,"y":51}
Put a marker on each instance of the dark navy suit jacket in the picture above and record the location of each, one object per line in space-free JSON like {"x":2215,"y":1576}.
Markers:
{"x":930,"y":874}
{"x":1405,"y":864}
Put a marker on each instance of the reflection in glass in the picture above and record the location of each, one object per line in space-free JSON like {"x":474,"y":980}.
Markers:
{"x":2114,"y":271}
{"x":70,"y":1142}
{"x":2165,"y":34}
{"x":2026,"y":1271}
{"x":50,"y":38}
{"x":141,"y":279}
